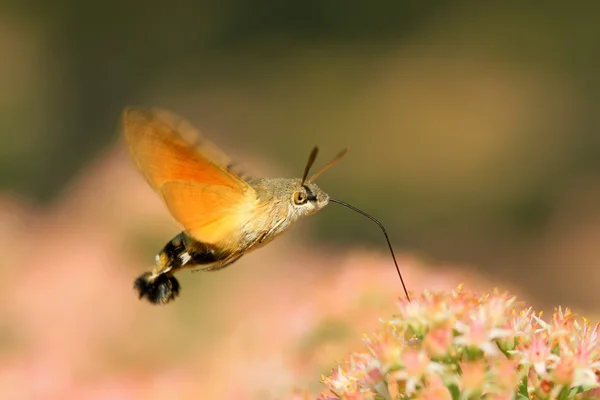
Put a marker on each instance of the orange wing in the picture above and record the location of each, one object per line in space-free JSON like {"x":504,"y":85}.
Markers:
{"x":211,"y":213}
{"x":190,"y":174}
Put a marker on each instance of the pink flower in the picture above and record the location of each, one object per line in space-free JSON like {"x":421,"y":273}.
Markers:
{"x":438,"y":341}
{"x":434,"y":389}
{"x":477,"y":333}
{"x":461,"y":343}
{"x":384,"y":346}
{"x":473,"y":377}
{"x":538,"y":353}
{"x":506,"y":375}
{"x":416,"y":364}
{"x":340,"y":382}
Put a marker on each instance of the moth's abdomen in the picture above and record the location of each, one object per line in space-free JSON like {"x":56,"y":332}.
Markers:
{"x":160,"y":286}
{"x":158,"y":289}
{"x":183,"y":251}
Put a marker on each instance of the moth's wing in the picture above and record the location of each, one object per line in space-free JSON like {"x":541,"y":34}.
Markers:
{"x":167,"y":148}
{"x":200,"y":143}
{"x":190,"y":173}
{"x":209,"y":213}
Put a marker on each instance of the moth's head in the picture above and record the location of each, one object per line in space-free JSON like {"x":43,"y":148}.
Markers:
{"x":299,"y":197}
{"x":306,"y":198}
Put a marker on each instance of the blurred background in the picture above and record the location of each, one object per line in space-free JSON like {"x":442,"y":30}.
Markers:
{"x":474,"y":136}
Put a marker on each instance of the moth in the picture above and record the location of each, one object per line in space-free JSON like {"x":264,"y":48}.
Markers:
{"x":223,"y":213}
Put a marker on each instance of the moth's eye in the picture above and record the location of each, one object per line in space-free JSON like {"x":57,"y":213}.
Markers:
{"x":300,"y":198}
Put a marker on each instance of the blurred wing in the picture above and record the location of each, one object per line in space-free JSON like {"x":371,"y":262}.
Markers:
{"x":189,"y":172}
{"x":209,"y":213}
{"x":167,"y":148}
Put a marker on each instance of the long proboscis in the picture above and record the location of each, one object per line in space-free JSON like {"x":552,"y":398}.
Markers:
{"x":384,"y":233}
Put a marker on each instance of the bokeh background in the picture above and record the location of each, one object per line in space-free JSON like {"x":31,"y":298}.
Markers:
{"x":475,"y":137}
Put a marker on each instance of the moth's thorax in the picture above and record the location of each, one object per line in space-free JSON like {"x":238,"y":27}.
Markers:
{"x":276,"y":209}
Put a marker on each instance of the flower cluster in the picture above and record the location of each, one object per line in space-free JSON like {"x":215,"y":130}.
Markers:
{"x":462,"y":345}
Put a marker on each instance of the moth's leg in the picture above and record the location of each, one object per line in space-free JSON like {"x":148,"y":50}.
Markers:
{"x":160,"y":286}
{"x":219,"y":266}
{"x":268,"y":233}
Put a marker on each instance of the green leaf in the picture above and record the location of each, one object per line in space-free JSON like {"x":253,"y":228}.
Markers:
{"x":575,"y":391}
{"x":523,"y":388}
{"x":556,"y":351}
{"x":564,"y":394}
{"x":454,"y":392}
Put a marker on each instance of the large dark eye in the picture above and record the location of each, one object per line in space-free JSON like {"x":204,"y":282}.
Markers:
{"x":300,"y":198}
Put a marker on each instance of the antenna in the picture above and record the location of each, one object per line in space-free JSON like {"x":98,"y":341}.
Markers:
{"x":384,"y":233}
{"x":330,"y":164}
{"x":311,"y":159}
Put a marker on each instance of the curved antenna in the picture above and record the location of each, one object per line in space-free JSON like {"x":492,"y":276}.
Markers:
{"x":331,"y":163}
{"x":311,"y":160}
{"x":384,"y":233}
